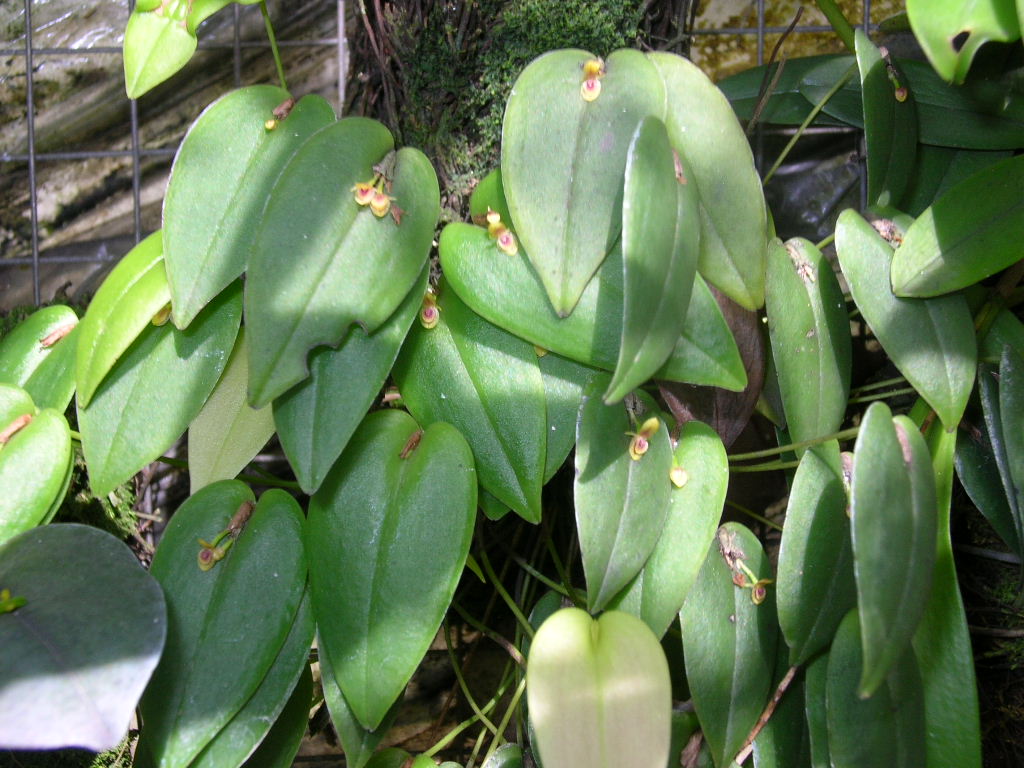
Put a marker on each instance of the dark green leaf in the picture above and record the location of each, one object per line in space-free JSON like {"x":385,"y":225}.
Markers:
{"x":1011,"y":413}
{"x":977,"y":468}
{"x":989,"y":394}
{"x":564,"y":382}
{"x":279,"y":748}
{"x":506,"y":756}
{"x":785,"y":105}
{"x":784,"y":741}
{"x":941,"y":168}
{"x":815,"y":681}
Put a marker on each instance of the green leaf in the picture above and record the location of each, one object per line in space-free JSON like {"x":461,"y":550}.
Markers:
{"x":784,"y":741}
{"x":564,"y":383}
{"x":220,"y":649}
{"x":506,"y":291}
{"x":991,"y":406}
{"x":892,"y":503}
{"x":717,"y":155}
{"x":34,"y":356}
{"x":815,"y":682}
{"x":816,"y":583}
{"x":52,"y":384}
{"x":246,"y":735}
{"x":154,"y":391}
{"x":219,"y":184}
{"x":951,"y":32}
{"x":337,"y":250}
{"x":969,"y":233}
{"x":34,"y":470}
{"x":489,"y":194}
{"x":1011,"y":414}
{"x":931,"y":341}
{"x":487,"y":384}
{"x":810,"y":336}
{"x":78,"y":653}
{"x":387,"y":538}
{"x":123,"y":307}
{"x":155,"y":47}
{"x":282,"y":743}
{"x":316,"y":418}
{"x":506,"y":756}
{"x":660,"y":238}
{"x":846,"y":104}
{"x":563,"y":158}
{"x":599,"y":692}
{"x":939,"y":169}
{"x":621,"y":502}
{"x":392,"y":757}
{"x":729,"y":642}
{"x":227,"y":434}
{"x":979,"y":473}
{"x":786,"y":105}
{"x":890,"y":125}
{"x":886,"y":729}
{"x":659,"y":590}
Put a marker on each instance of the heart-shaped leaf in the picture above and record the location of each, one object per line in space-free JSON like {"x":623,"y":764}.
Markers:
{"x":951,"y":32}
{"x":506,"y":291}
{"x":810,"y":334}
{"x":599,"y":692}
{"x":931,"y":341}
{"x":969,"y":233}
{"x":123,"y":307}
{"x":219,"y":184}
{"x":79,"y":651}
{"x":892,"y":505}
{"x":154,"y":391}
{"x":316,"y":418}
{"x":487,"y":384}
{"x":717,"y":156}
{"x":387,"y":538}
{"x":220,"y":650}
{"x":729,"y":640}
{"x":38,"y":356}
{"x":815,"y":580}
{"x":227,"y":433}
{"x":621,"y":492}
{"x":660,"y":238}
{"x":563,"y":156}
{"x":659,"y":590}
{"x":337,"y":248}
{"x":156,"y":45}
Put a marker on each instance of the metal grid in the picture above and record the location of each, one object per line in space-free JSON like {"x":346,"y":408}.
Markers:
{"x":29,"y":53}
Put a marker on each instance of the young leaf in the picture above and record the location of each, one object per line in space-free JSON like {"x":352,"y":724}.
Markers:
{"x":660,"y":237}
{"x":53,"y":693}
{"x":969,"y":233}
{"x":621,"y":493}
{"x":716,"y":153}
{"x":892,"y":503}
{"x":154,"y":391}
{"x":227,"y":434}
{"x":219,"y":649}
{"x":123,"y":307}
{"x":729,"y":640}
{"x":316,"y":418}
{"x":337,"y":249}
{"x":387,"y":537}
{"x":951,"y":32}
{"x":810,"y":335}
{"x":659,"y":590}
{"x":931,"y":341}
{"x":219,"y":184}
{"x":563,"y":157}
{"x":156,"y":45}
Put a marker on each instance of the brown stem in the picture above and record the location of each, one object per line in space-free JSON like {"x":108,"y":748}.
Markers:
{"x":748,"y":745}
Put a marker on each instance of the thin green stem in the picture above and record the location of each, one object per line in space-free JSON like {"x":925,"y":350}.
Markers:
{"x":457,"y":668}
{"x":523,"y":621}
{"x":486,"y":631}
{"x":76,"y":436}
{"x":826,"y":242}
{"x":769,"y":466}
{"x":882,"y":395}
{"x":549,"y":583}
{"x":807,"y":121}
{"x":877,"y":385}
{"x":753,"y":514}
{"x":839,"y":23}
{"x":512,"y":707}
{"x":843,"y":434}
{"x":491,"y":704}
{"x":273,"y":43}
{"x":562,"y":574}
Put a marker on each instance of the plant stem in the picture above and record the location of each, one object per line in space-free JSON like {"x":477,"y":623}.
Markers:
{"x":877,"y":385}
{"x":523,"y":621}
{"x":491,"y":703}
{"x":76,"y":436}
{"x":882,"y":395}
{"x":769,"y":710}
{"x":839,"y":23}
{"x":826,"y":242}
{"x":510,"y":649}
{"x":807,"y":121}
{"x":269,"y":480}
{"x":549,"y":583}
{"x":754,"y":515}
{"x":512,"y":707}
{"x":273,"y":43}
{"x":768,"y":466}
{"x":457,"y":668}
{"x":843,"y":434}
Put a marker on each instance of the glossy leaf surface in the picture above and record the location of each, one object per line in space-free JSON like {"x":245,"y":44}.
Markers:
{"x":784,"y":741}
{"x":336,"y":250}
{"x":717,"y":155}
{"x":931,"y":341}
{"x":599,"y":692}
{"x":892,"y":504}
{"x":564,"y":384}
{"x":939,"y":169}
{"x":815,"y":711}
{"x":563,"y":158}
{"x":154,"y":391}
{"x":52,"y":384}
{"x":971,"y":232}
{"x":219,"y":184}
{"x":387,"y":536}
{"x":78,"y":653}
{"x":729,"y":642}
{"x":281,"y":745}
{"x":219,"y":649}
{"x":507,"y":292}
{"x":659,"y":590}
{"x":123,"y":307}
{"x":487,"y":384}
{"x":155,"y":47}
{"x":1011,"y":415}
{"x":810,"y":336}
{"x":951,"y":32}
{"x":621,"y":502}
{"x":227,"y":433}
{"x":660,"y":238}
{"x":26,"y":348}
{"x":316,"y":418}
